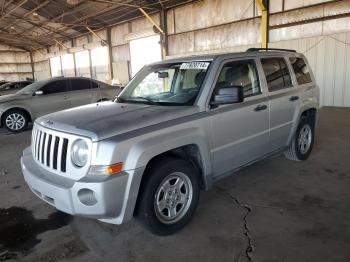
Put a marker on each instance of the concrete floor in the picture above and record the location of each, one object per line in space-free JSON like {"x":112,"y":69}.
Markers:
{"x":275,"y":210}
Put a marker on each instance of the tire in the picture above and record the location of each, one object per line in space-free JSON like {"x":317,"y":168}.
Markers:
{"x":15,"y":120}
{"x":300,"y":152}
{"x":160,"y":198}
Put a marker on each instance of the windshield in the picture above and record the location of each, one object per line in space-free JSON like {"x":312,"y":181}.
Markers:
{"x":166,"y":84}
{"x":30,"y":89}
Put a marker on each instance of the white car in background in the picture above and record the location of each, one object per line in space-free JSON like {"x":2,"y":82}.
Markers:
{"x":48,"y":96}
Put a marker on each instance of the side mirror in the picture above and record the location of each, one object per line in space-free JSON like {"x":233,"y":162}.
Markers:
{"x":228,"y":95}
{"x":38,"y":93}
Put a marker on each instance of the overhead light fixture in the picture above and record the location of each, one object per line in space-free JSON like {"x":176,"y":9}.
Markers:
{"x":35,"y":16}
{"x":74,"y":2}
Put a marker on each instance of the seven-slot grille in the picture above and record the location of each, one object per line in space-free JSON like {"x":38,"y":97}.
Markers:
{"x":50,"y":149}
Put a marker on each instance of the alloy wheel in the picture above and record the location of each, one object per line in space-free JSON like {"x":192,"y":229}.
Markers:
{"x":173,"y":198}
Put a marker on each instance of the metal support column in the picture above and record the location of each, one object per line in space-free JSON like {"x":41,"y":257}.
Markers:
{"x":164,"y":36}
{"x":74,"y":61}
{"x":110,"y":53}
{"x":264,"y":8}
{"x":90,"y":62}
{"x":32,"y":64}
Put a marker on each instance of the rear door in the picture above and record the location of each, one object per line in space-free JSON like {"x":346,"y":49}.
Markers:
{"x":81,"y":92}
{"x":240,"y":132}
{"x":55,"y":97}
{"x":283,"y":99}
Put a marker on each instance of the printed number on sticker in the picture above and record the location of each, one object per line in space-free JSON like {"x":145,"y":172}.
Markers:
{"x":195,"y":65}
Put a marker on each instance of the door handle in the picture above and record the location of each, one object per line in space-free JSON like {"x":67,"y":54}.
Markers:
{"x":260,"y":107}
{"x":293,"y":98}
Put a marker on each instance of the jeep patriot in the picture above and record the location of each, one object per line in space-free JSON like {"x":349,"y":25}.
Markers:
{"x":176,"y":128}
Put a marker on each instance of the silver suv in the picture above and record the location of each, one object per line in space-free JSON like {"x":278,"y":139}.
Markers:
{"x":48,"y":96}
{"x":176,"y":128}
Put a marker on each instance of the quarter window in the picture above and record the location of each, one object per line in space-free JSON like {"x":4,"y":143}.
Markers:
{"x":55,"y":87}
{"x":276,"y":73}
{"x":301,"y":70}
{"x":240,"y":73}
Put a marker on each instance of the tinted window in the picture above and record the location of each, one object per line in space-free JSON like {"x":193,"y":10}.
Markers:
{"x":240,"y":73}
{"x":23,"y":84}
{"x":276,"y":73}
{"x":301,"y":70}
{"x":55,"y":87}
{"x":80,"y":84}
{"x":94,"y":85}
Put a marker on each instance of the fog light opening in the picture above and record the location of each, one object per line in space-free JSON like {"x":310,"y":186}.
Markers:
{"x":87,"y":197}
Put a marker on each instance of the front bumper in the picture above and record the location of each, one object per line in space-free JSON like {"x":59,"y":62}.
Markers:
{"x":109,"y":199}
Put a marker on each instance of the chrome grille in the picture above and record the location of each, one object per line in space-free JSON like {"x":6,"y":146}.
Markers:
{"x":50,"y":150}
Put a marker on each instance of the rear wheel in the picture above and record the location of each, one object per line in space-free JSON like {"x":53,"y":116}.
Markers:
{"x":303,"y":141}
{"x":15,"y":120}
{"x":169,"y":196}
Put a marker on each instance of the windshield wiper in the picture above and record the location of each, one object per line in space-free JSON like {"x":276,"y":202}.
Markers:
{"x":152,"y":102}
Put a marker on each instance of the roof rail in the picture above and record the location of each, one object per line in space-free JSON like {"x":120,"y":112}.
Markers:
{"x":254,"y":49}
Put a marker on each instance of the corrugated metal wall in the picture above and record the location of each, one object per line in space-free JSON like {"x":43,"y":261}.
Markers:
{"x":14,"y":64}
{"x":329,"y":57}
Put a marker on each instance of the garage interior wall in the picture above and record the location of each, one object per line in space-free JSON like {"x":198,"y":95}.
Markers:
{"x":15,"y":64}
{"x":320,"y":29}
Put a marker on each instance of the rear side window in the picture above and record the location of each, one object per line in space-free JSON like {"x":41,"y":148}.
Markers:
{"x":240,"y":73}
{"x":80,"y":84}
{"x":301,"y":70}
{"x":276,"y":73}
{"x":94,"y":85}
{"x":55,"y":87}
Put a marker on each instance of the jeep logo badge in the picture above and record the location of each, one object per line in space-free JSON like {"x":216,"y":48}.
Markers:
{"x":49,"y":122}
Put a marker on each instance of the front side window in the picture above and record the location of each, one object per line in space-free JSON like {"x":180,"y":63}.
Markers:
{"x":55,"y":87}
{"x":276,"y":73}
{"x":301,"y":70}
{"x":240,"y":73}
{"x":166,"y":84}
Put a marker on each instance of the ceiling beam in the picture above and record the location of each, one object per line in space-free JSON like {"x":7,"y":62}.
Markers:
{"x":13,"y":9}
{"x":109,"y":8}
{"x":31,"y":12}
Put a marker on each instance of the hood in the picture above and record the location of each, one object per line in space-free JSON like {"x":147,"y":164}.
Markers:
{"x":103,"y":120}
{"x":11,"y":97}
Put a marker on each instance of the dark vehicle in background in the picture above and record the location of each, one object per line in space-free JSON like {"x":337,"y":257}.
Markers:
{"x":48,"y":96}
{"x":13,"y":87}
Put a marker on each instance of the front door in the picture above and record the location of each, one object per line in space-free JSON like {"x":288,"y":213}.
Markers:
{"x":240,"y":132}
{"x":54,"y":97}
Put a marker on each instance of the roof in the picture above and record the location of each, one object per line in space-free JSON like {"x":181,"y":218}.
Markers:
{"x":212,"y":57}
{"x":33,"y":24}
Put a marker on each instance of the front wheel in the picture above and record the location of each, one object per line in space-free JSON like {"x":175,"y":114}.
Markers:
{"x":169,"y":196}
{"x":303,"y":141}
{"x":15,"y":120}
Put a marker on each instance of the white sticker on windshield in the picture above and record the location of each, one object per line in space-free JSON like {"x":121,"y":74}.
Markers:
{"x":195,"y":65}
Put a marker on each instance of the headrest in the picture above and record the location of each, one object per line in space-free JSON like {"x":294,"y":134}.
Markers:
{"x":198,"y":79}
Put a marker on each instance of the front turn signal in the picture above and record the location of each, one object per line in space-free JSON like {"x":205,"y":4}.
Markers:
{"x":113,"y":169}
{"x":106,"y":170}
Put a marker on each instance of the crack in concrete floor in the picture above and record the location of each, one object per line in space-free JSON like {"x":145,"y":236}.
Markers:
{"x":250,"y":247}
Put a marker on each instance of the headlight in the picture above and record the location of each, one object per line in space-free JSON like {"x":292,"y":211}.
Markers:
{"x":80,"y":153}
